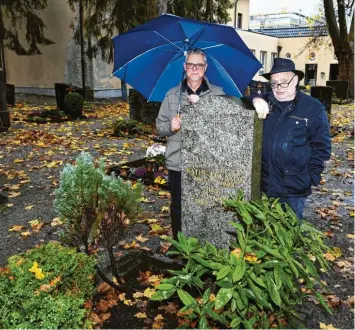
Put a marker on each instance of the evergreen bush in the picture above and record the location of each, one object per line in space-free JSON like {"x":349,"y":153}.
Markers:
{"x":92,"y":202}
{"x":74,"y":104}
{"x":46,"y":288}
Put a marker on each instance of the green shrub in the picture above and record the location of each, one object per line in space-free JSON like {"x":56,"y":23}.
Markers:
{"x":90,"y":202}
{"x":46,"y":288}
{"x":74,"y":104}
{"x":128,"y":128}
{"x":258,"y":278}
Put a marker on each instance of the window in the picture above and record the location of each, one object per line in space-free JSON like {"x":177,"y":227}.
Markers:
{"x":263,"y":62}
{"x":240,"y":19}
{"x":273,"y":56}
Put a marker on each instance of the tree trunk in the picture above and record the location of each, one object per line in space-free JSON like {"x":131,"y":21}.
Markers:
{"x":82,"y":50}
{"x":343,"y":47}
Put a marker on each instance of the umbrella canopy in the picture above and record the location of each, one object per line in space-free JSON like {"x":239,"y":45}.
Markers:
{"x":150,"y":57}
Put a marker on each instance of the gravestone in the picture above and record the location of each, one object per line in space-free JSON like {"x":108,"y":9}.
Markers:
{"x":141,"y":110}
{"x":221,"y":154}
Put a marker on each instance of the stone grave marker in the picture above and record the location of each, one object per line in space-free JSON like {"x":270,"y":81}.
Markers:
{"x":221,"y":154}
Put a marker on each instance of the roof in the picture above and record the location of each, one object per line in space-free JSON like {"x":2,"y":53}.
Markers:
{"x":293,"y":32}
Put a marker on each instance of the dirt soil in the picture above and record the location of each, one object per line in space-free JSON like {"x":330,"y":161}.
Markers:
{"x":32,"y":156}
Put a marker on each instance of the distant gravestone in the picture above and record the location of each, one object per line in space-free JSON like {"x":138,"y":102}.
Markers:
{"x":141,"y":110}
{"x":221,"y":154}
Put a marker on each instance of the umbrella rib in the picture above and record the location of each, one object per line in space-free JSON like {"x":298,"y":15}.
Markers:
{"x":227,"y":74}
{"x":168,"y":40}
{"x":220,"y":45}
{"x":147,"y":51}
{"x":160,"y":76}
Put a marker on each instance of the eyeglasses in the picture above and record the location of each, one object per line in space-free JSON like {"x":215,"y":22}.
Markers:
{"x":275,"y":85}
{"x":198,"y":66}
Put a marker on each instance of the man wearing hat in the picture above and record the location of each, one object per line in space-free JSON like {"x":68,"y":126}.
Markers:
{"x":296,"y":138}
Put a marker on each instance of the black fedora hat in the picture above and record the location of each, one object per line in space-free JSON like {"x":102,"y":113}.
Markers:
{"x":283,"y":65}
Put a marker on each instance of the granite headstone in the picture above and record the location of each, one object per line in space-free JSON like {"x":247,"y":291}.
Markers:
{"x":221,"y":154}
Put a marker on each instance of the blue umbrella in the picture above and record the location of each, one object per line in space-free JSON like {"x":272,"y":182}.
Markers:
{"x":150,"y":57}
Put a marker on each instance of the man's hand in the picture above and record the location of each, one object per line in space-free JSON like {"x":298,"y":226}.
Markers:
{"x":261,"y":107}
{"x":193,"y":98}
{"x":176,"y":124}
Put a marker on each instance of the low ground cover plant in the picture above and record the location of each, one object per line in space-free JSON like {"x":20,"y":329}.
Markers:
{"x":46,"y":288}
{"x":256,"y":284}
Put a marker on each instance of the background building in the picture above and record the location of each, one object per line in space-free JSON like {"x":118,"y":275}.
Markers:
{"x":60,"y":62}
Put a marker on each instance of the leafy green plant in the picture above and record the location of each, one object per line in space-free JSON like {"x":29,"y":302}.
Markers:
{"x":129,"y":127}
{"x":46,"y":288}
{"x":90,"y":202}
{"x":74,"y":104}
{"x":258,"y":280}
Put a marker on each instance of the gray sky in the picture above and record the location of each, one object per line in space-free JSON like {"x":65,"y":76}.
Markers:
{"x":308,"y":7}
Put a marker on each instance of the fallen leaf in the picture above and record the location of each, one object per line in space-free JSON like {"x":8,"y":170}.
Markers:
{"x":158,"y":322}
{"x":104,"y":287}
{"x":350,"y":236}
{"x":56,"y":222}
{"x":102,"y":306}
{"x":148,"y":292}
{"x":142,"y":239}
{"x":326,"y":326}
{"x":16,"y":228}
{"x":26,"y":233}
{"x":165,"y":209}
{"x":29,"y":207}
{"x":138,"y":295}
{"x":171,"y":308}
{"x":141,"y":315}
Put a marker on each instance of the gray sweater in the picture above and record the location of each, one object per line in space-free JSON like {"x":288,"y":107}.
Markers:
{"x":167,"y":112}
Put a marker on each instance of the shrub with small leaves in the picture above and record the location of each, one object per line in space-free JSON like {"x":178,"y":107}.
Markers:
{"x":74,"y":104}
{"x":46,"y":288}
{"x":90,"y":201}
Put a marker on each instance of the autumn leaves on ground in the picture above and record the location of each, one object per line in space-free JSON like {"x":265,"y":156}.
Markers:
{"x":32,"y":155}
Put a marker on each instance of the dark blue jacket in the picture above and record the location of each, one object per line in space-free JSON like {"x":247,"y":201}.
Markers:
{"x":296,"y":142}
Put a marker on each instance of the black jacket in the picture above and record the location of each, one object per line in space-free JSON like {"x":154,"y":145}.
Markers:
{"x":296,"y":142}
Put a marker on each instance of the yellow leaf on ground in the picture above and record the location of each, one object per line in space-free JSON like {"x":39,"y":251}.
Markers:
{"x":326,"y":326}
{"x":16,"y":228}
{"x":29,"y":207}
{"x":140,"y":238}
{"x":329,"y":256}
{"x":133,"y":245}
{"x":138,"y":295}
{"x":13,"y":194}
{"x":56,"y":222}
{"x":9,"y":205}
{"x":350,"y":236}
{"x":148,"y":292}
{"x":141,"y":315}
{"x":128,"y":302}
{"x":26,"y":233}
{"x":165,"y":209}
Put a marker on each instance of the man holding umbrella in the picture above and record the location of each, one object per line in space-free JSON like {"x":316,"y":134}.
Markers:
{"x":168,"y":123}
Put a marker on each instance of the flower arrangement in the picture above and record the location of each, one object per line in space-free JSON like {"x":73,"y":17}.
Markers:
{"x":156,"y":152}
